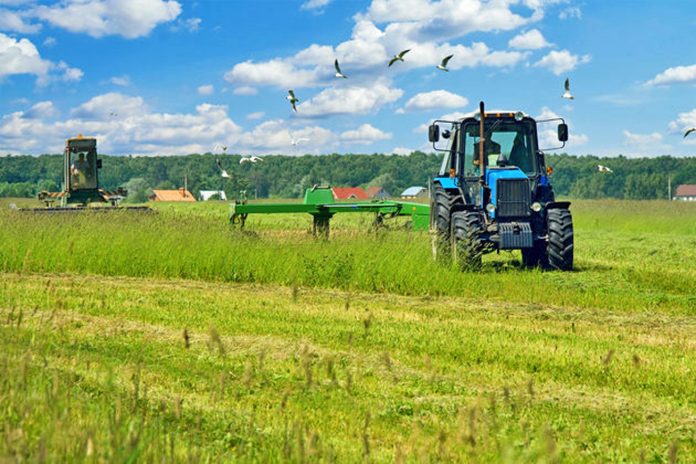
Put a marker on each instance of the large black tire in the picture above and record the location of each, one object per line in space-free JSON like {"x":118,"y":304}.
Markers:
{"x":559,"y":249}
{"x":441,"y":221}
{"x":467,"y":247}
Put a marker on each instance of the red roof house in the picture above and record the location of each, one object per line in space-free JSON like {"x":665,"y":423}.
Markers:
{"x":349,"y":193}
{"x":686,"y":192}
{"x":172,"y":195}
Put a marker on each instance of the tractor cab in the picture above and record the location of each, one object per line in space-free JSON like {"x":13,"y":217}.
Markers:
{"x":82,"y":164}
{"x":492,"y":191}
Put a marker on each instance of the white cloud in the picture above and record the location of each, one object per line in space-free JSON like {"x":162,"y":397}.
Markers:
{"x":364,"y":135}
{"x":21,"y":57}
{"x":276,"y":72}
{"x":315,"y":4}
{"x":401,"y":151}
{"x":121,"y":81}
{"x":349,"y":100}
{"x":548,"y":132}
{"x":530,"y":40}
{"x":49,"y":42}
{"x":102,"y":106}
{"x":206,"y":89}
{"x":676,"y":75}
{"x":41,"y":110}
{"x":68,"y":74}
{"x":99,"y":18}
{"x":633,"y":139}
{"x":570,"y":12}
{"x":245,"y":90}
{"x":683,"y":122}
{"x":255,"y":115}
{"x":562,"y":61}
{"x":435,"y":99}
{"x":193,"y":24}
{"x":15,"y":22}
{"x":454,"y":116}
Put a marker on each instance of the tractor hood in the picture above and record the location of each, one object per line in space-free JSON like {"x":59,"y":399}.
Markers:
{"x":494,"y":176}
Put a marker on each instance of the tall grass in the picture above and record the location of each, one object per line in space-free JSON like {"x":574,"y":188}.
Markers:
{"x":619,"y":265}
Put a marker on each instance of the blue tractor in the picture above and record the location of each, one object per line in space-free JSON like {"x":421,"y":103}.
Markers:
{"x":493,"y":193}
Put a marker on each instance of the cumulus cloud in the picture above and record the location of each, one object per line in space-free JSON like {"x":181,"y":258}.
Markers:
{"x":675,"y":75}
{"x":683,"y":122}
{"x":41,"y":110}
{"x":364,"y":135}
{"x":21,"y":57}
{"x":16,"y":22}
{"x":530,"y":40}
{"x":349,"y":100}
{"x":570,"y":12}
{"x":401,"y":151}
{"x":99,"y":18}
{"x":206,"y":89}
{"x":631,"y":138}
{"x":562,"y":61}
{"x":435,"y":99}
{"x":548,"y":132}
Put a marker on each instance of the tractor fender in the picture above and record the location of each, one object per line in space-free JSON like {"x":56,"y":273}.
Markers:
{"x":558,"y":205}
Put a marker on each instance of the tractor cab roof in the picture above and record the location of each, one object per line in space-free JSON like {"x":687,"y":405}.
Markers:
{"x":494,"y":114}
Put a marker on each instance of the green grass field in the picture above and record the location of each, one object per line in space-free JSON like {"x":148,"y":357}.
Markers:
{"x":171,"y":337}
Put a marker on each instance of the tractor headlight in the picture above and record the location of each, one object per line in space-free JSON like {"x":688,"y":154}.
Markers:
{"x":536,"y":206}
{"x":490,"y":207}
{"x":519,"y":116}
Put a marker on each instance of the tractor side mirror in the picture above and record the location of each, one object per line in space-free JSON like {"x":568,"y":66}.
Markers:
{"x":563,"y":132}
{"x":99,"y":164}
{"x":434,"y":133}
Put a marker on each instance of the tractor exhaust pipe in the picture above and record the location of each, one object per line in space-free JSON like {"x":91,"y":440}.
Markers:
{"x":482,"y":144}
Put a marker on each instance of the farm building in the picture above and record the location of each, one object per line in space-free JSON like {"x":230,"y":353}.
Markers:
{"x":377,"y":193}
{"x":172,"y":195}
{"x":349,"y":193}
{"x":686,"y":192}
{"x":415,"y":192}
{"x":205,"y":195}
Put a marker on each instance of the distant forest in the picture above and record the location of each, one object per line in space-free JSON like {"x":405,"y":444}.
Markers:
{"x":286,"y":176}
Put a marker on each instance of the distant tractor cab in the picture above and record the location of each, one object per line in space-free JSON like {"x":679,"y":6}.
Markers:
{"x":81,"y":177}
{"x":493,"y":192}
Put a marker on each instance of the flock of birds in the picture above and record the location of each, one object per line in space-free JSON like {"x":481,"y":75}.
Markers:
{"x":293,"y":100}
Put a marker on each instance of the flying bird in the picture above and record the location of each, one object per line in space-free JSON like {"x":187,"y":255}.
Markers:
{"x":601,"y":168}
{"x":338,"y":70}
{"x":250,"y":159}
{"x":443,"y":66}
{"x":292,"y":99}
{"x":223,"y":173}
{"x":567,"y":94}
{"x":688,"y":131}
{"x":398,"y":57}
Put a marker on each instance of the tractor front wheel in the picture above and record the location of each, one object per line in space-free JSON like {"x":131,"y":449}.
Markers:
{"x":441,"y":224}
{"x":467,"y":247}
{"x":559,"y":249}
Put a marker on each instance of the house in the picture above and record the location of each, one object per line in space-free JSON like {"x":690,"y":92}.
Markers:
{"x":377,"y":193}
{"x":415,"y":192}
{"x":685,"y":192}
{"x":349,"y":193}
{"x":205,"y":195}
{"x":172,"y":195}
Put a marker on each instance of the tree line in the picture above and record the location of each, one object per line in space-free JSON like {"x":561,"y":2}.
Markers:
{"x":286,"y":177}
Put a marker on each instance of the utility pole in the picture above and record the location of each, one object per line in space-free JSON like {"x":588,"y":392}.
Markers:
{"x":669,"y":188}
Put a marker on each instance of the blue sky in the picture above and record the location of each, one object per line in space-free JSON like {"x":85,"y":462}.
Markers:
{"x":175,"y":77}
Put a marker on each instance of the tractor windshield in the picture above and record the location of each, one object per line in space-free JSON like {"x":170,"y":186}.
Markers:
{"x":509,"y":139}
{"x":83,"y":170}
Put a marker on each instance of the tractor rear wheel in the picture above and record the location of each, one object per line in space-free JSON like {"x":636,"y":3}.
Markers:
{"x":441,"y":222}
{"x":467,"y":247}
{"x":559,"y":250}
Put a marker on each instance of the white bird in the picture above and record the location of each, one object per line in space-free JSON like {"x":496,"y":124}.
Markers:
{"x":250,"y":159}
{"x":338,"y":70}
{"x":688,"y":131}
{"x":223,"y":173}
{"x":601,"y":168}
{"x":292,"y":99}
{"x":443,"y":66}
{"x":295,"y":141}
{"x":399,"y":56}
{"x":567,"y":94}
